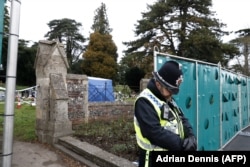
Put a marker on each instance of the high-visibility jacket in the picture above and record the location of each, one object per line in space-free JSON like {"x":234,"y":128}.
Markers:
{"x":169,"y":119}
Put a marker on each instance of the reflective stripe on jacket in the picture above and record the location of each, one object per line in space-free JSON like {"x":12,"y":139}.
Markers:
{"x":174,"y":124}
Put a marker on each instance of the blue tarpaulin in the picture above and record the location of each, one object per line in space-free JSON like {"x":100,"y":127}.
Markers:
{"x":100,"y":90}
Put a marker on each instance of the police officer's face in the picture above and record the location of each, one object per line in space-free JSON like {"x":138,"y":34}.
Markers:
{"x":164,"y":91}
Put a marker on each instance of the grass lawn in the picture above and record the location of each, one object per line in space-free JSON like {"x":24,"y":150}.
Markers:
{"x":24,"y":122}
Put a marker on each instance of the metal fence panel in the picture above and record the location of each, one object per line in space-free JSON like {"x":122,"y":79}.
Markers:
{"x":215,"y":100}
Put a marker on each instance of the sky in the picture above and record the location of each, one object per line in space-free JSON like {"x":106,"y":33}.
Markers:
{"x":122,"y":15}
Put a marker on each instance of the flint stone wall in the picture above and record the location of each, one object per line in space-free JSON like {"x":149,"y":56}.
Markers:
{"x":81,"y":111}
{"x":77,"y":86}
{"x":109,"y":110}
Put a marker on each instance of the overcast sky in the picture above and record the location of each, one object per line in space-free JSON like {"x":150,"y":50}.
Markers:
{"x":122,"y":15}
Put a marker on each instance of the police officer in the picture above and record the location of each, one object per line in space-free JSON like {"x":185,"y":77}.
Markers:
{"x":159,"y":123}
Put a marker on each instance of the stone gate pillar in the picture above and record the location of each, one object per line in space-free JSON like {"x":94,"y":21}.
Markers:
{"x":58,"y":123}
{"x":51,"y":70}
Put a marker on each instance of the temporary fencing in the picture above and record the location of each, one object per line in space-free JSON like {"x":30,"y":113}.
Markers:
{"x":216,"y":100}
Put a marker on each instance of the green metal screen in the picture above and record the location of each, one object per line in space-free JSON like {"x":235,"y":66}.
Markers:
{"x":215,"y":100}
